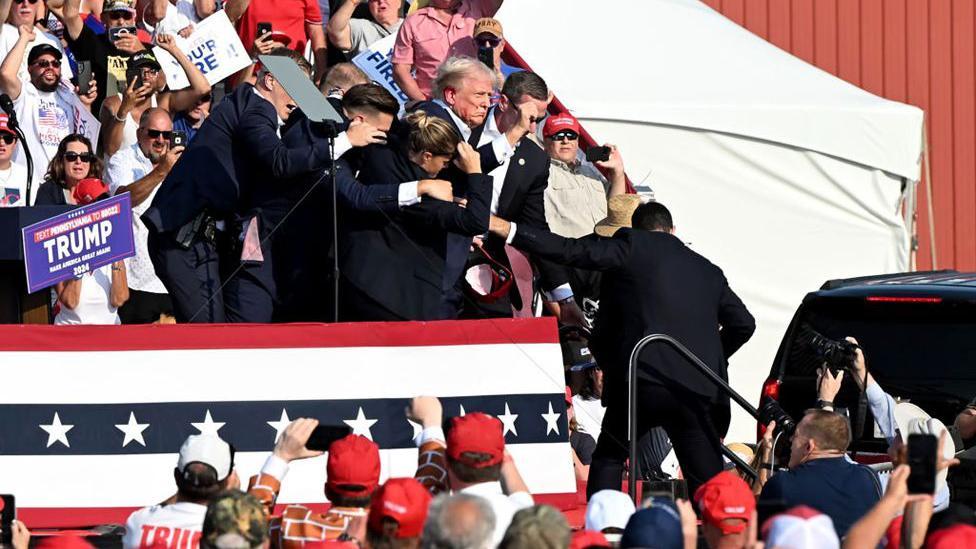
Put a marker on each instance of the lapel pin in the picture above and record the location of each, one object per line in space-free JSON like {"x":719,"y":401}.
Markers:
{"x":521,"y":161}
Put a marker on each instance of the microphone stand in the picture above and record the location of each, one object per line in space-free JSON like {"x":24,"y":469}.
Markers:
{"x":331,"y":131}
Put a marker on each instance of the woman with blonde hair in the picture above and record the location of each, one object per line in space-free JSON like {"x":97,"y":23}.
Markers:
{"x":424,"y":242}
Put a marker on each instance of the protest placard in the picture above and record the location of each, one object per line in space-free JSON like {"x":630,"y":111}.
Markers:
{"x":214,"y":48}
{"x":77,"y":242}
{"x":377,"y":62}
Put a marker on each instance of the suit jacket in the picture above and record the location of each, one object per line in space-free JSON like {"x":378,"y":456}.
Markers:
{"x":653,"y":283}
{"x":399,"y":260}
{"x":236,"y":151}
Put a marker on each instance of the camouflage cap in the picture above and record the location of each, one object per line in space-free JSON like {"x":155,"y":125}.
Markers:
{"x":234,"y":520}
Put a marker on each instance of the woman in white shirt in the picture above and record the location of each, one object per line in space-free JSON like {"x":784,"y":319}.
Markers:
{"x":94,"y":297}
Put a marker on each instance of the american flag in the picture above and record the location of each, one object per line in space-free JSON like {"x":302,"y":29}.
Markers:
{"x":47,"y":114}
{"x":92,"y":416}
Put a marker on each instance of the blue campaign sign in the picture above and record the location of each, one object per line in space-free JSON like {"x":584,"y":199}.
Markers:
{"x":76,"y":242}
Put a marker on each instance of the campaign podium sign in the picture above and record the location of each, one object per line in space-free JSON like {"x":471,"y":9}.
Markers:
{"x":77,"y":242}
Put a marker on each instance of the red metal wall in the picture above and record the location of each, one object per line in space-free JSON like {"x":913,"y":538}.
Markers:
{"x":914,"y":51}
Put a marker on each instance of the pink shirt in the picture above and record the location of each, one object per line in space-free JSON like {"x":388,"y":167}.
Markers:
{"x":424,"y":42}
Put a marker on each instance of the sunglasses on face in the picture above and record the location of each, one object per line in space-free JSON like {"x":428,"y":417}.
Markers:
{"x":119,"y":14}
{"x":74,"y":157}
{"x":44,"y":64}
{"x":156,"y":134}
{"x":23,"y":1}
{"x":8,"y":139}
{"x":564,"y":136}
{"x":488,"y":41}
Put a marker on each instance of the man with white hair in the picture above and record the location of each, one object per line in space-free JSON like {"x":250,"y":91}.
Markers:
{"x":458,"y":521}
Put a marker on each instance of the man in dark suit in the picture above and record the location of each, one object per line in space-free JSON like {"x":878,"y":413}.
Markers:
{"x":652,"y":283}
{"x":518,"y":166}
{"x":237,"y":145}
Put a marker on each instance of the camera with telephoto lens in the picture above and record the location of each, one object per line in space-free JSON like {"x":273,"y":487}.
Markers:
{"x":838,"y":355}
{"x":770,"y":410}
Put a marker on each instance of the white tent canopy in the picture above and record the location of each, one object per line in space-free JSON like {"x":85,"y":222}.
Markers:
{"x":778,"y":172}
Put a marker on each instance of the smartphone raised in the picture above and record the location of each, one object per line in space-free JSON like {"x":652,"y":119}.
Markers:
{"x":178,"y":139}
{"x":487,"y":56}
{"x":8,"y":513}
{"x":84,"y":77}
{"x":324,"y":435}
{"x":922,"y":455}
{"x":115,"y":32}
{"x":134,"y":75}
{"x":598,"y":154}
{"x":263,"y":28}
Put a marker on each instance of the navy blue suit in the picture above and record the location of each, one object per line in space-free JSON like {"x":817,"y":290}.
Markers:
{"x":236,"y":151}
{"x":393,"y":266}
{"x":252,"y":294}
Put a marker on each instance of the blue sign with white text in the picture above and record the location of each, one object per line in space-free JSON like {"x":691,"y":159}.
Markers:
{"x":77,"y":242}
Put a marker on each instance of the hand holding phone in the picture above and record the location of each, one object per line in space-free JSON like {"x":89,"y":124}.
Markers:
{"x":922,"y":459}
{"x":324,"y":435}
{"x":84,"y":77}
{"x":178,"y":139}
{"x":8,"y":513}
{"x":263,"y":28}
{"x":598,"y":154}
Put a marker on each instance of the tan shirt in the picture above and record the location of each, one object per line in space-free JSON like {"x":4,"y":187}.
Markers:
{"x":576,"y":199}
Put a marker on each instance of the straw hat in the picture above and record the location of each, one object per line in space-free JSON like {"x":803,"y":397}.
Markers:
{"x":620,"y":209}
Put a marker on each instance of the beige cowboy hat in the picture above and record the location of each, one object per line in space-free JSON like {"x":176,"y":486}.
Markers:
{"x":620,"y":209}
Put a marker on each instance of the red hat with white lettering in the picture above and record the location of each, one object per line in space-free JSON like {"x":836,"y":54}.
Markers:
{"x":353,"y":469}
{"x":405,"y":501}
{"x":476,"y":433}
{"x":5,"y":125}
{"x":726,"y":496}
{"x":559,"y":122}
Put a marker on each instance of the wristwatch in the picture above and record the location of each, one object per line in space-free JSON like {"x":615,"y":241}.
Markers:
{"x":821,"y":403}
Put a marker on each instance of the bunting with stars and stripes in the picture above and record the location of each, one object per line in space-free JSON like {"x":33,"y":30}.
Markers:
{"x":91,"y":417}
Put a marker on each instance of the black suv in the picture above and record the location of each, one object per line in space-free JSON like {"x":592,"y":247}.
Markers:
{"x":917,"y":330}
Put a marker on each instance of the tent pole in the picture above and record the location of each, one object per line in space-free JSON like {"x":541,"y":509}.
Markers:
{"x":928,"y":193}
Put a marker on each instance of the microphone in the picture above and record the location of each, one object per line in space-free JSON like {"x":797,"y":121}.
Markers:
{"x":8,"y":107}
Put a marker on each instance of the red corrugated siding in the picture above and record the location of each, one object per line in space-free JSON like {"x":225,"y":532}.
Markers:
{"x":915,"y":51}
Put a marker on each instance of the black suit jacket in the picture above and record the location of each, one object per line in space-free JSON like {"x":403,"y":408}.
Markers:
{"x":653,"y":283}
{"x":236,"y":150}
{"x":399,"y":260}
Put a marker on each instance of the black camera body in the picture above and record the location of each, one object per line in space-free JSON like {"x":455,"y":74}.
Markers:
{"x":769,"y":410}
{"x":838,"y":355}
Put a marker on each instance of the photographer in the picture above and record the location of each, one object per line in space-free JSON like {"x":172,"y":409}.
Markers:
{"x":820,"y":474}
{"x":882,"y":405}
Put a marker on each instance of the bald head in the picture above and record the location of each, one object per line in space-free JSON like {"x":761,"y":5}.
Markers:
{"x":155,"y":130}
{"x":459,"y":520}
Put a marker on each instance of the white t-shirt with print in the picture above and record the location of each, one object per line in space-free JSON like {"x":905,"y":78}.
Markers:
{"x":174,"y":525}
{"x":13,"y":185}
{"x":94,"y":303}
{"x":45,"y":118}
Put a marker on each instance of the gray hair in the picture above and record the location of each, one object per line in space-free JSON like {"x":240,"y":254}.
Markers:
{"x":537,"y":527}
{"x":459,"y":521}
{"x":455,"y":70}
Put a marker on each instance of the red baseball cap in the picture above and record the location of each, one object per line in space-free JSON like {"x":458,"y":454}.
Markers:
{"x":588,"y":538}
{"x":558,"y":122}
{"x":89,"y":190}
{"x":959,"y":535}
{"x":353,"y":469}
{"x":726,"y":496}
{"x":404,"y":500}
{"x":476,"y":432}
{"x":5,"y":125}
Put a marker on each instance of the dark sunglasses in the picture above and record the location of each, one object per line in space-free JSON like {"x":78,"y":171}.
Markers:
{"x":564,"y":136}
{"x":156,"y":134}
{"x":46,"y":63}
{"x":22,"y":1}
{"x":118,"y":14}
{"x":74,"y":157}
{"x":8,"y":138}
{"x":488,"y":41}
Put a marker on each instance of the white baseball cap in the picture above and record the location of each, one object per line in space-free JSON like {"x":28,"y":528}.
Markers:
{"x":801,"y":527}
{"x":608,"y":509}
{"x":207,"y":449}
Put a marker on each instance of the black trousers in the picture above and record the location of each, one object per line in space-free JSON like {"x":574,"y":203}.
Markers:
{"x":687,"y":421}
{"x":246,"y":299}
{"x":145,"y":307}
{"x":192,"y":277}
{"x":357,"y":306}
